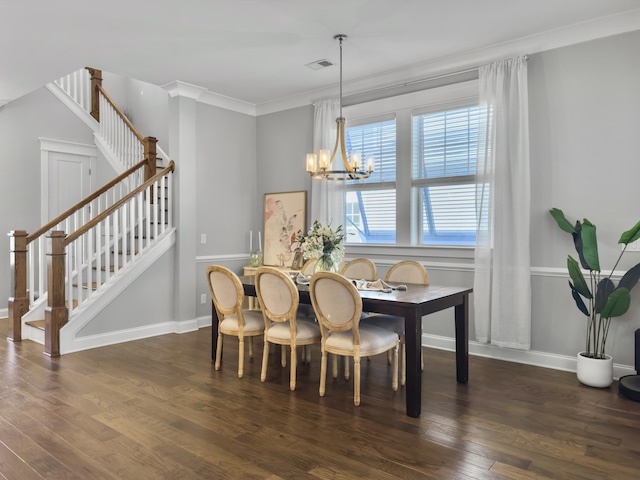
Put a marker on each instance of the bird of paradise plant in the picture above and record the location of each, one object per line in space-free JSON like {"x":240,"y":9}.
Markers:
{"x":604,"y":300}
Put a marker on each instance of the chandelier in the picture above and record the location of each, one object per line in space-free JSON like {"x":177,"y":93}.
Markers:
{"x":319,"y":165}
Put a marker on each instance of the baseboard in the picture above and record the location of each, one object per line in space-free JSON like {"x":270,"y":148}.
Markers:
{"x":527,"y":357}
{"x":129,"y":335}
{"x":204,"y":321}
{"x":4,"y":313}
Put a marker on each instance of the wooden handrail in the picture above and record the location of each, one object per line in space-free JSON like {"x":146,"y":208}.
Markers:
{"x":122,"y":115}
{"x":85,"y":201}
{"x":99,"y":218}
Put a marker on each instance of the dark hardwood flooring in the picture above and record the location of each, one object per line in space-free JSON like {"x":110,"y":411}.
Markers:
{"x":156,"y":408}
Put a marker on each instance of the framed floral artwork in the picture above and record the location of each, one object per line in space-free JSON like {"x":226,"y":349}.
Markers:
{"x":284,"y":217}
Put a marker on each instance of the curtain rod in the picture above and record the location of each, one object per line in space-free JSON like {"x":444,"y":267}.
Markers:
{"x":423,"y":80}
{"x":415,"y":82}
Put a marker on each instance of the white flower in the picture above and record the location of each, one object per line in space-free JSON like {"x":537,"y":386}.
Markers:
{"x":321,"y":240}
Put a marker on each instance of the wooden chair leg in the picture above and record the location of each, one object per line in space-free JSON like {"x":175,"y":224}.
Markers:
{"x":356,"y":380}
{"x":219,"y":352}
{"x":294,"y":363}
{"x":323,"y":373}
{"x":283,"y":356}
{"x":346,"y":368}
{"x":308,"y":350}
{"x":240,"y":357}
{"x":250,"y":347}
{"x":334,"y":364}
{"x":265,"y":361}
{"x":403,"y":363}
{"x":394,"y":381}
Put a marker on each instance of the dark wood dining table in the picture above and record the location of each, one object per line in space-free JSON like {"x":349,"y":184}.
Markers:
{"x":411,"y":304}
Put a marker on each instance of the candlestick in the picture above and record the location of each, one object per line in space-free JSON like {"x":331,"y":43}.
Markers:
{"x":259,"y":240}
{"x":250,"y":241}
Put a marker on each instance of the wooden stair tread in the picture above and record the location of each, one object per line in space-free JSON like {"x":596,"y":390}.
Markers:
{"x":36,"y":324}
{"x":111,"y":268}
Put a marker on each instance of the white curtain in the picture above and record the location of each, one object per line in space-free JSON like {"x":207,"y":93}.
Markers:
{"x":326,"y":195}
{"x":502,"y":283}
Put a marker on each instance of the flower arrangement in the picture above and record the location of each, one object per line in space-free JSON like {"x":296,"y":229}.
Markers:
{"x":323,"y":243}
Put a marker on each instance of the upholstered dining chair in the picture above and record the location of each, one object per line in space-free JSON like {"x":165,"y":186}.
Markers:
{"x":228,"y":295}
{"x":308,"y":267}
{"x":338,"y":307}
{"x":406,"y":271}
{"x":361,"y":269}
{"x":283,"y":325}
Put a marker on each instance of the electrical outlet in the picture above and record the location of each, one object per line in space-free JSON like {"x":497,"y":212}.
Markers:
{"x":203,"y":298}
{"x":203,"y":238}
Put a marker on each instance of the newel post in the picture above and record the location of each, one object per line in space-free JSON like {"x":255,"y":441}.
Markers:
{"x":18,"y":301}
{"x":150,"y":154}
{"x":56,"y":313}
{"x":96,"y":81}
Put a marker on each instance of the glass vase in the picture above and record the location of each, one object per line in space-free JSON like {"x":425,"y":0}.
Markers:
{"x":326,"y":263}
{"x":255,"y":259}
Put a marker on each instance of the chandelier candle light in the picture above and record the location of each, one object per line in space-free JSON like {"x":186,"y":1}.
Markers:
{"x":319,"y":165}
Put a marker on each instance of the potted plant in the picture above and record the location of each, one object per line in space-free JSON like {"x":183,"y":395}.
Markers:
{"x":598,"y":298}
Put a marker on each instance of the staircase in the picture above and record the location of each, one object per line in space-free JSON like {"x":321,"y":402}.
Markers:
{"x":68,"y":270}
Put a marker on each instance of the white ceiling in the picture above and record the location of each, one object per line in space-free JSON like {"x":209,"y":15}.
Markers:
{"x":255,"y":51}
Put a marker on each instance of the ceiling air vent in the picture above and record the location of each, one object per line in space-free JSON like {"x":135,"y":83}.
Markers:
{"x":319,"y":64}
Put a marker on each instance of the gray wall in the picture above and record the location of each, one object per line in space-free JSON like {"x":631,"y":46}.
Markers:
{"x":226,"y":192}
{"x":284,"y":139}
{"x":585,"y":143}
{"x":145,"y":104}
{"x":22,"y":122}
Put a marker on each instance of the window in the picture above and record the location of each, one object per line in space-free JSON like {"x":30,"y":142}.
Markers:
{"x":423,"y":189}
{"x":370,"y":204}
{"x":444,"y":150}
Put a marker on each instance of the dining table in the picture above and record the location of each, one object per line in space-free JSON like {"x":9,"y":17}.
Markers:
{"x":412,"y":303}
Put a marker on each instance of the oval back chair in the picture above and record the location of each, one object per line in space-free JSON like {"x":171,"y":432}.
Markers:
{"x":338,"y":307}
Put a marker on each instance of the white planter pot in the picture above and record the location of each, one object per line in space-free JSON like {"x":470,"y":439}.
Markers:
{"x":595,"y":372}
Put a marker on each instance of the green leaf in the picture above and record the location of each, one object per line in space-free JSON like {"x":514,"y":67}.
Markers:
{"x":590,"y":245}
{"x":579,"y":302}
{"x":630,"y":279}
{"x":603,"y":290}
{"x":561,"y":220}
{"x":579,"y":283}
{"x":630,"y":235}
{"x":577,"y":241}
{"x":618,"y":303}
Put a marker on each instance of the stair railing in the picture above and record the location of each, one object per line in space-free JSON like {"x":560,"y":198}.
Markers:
{"x":91,"y":257}
{"x":117,"y":132}
{"x":28,"y":251}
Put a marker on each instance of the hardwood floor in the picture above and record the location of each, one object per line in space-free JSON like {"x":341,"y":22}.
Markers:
{"x":156,"y":408}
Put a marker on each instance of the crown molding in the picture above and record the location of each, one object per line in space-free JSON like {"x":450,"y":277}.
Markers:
{"x":549,"y":40}
{"x":203,"y":95}
{"x":228,"y":103}
{"x":183,"y":89}
{"x":573,"y":34}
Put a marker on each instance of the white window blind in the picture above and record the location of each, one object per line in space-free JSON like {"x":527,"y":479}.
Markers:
{"x":370,"y":204}
{"x":444,"y":149}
